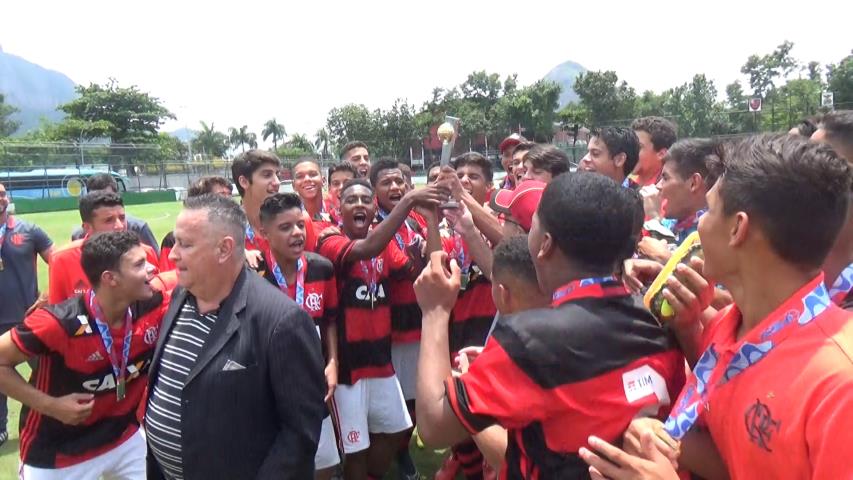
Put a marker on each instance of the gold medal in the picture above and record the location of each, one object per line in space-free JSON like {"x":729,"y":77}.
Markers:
{"x":120,"y":389}
{"x":2,"y":267}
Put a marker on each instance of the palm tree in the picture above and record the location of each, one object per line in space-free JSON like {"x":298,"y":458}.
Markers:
{"x":300,"y":142}
{"x":274,"y":129}
{"x":210,"y":142}
{"x":242,"y":137}
{"x":322,"y":141}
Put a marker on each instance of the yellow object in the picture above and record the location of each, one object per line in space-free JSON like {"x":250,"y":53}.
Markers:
{"x":660,"y":281}
{"x":445,"y":132}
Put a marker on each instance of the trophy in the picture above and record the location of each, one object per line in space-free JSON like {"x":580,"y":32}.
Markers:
{"x":447,"y":133}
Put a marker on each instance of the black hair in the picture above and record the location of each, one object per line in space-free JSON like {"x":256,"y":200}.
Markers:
{"x":590,"y":219}
{"x":523,"y":147}
{"x":549,"y":158}
{"x":697,"y":155}
{"x":248,"y":162}
{"x":351,"y":145}
{"x":512,"y":257}
{"x":807,"y":126}
{"x":477,"y":160}
{"x":101,"y":181}
{"x":621,"y":140}
{"x":662,"y":132}
{"x":794,"y":190}
{"x":95,"y":200}
{"x":354,"y":182}
{"x":341,"y":167}
{"x":307,"y":160}
{"x":839,"y":132}
{"x":379,"y":166}
{"x":280,"y":202}
{"x":205,"y":185}
{"x":103,"y":251}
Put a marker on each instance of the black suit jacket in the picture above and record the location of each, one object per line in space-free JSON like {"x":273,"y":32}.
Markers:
{"x":262,"y":421}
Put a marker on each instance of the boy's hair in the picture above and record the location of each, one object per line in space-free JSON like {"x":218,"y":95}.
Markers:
{"x":205,"y":185}
{"x":95,"y":200}
{"x":351,"y":145}
{"x":354,"y":182}
{"x":621,"y":140}
{"x":248,"y":162}
{"x":341,"y":167}
{"x":697,"y":155}
{"x":549,"y":158}
{"x":280,"y":202}
{"x":101,"y":181}
{"x":512,"y":259}
{"x":662,"y":132}
{"x":379,"y":166}
{"x":103,"y":251}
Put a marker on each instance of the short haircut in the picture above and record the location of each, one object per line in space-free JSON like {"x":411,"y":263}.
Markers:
{"x":407,"y":171}
{"x":248,"y":162}
{"x":95,"y":200}
{"x":341,"y":167}
{"x":206,"y":184}
{"x":512,"y":259}
{"x":796,"y":191}
{"x":355,"y":182}
{"x":548,"y":158}
{"x":590,"y":219}
{"x":307,"y":160}
{"x":351,"y":145}
{"x":621,"y":140}
{"x":222,"y":212}
{"x":697,"y":155}
{"x":103,"y":251}
{"x":839,"y":132}
{"x":433,"y":165}
{"x":101,"y":181}
{"x":523,"y":147}
{"x":477,"y":160}
{"x":662,"y":132}
{"x":280,"y":202}
{"x":807,"y":126}
{"x":379,"y":166}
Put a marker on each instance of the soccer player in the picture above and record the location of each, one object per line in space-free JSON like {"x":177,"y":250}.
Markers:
{"x":546,"y":374}
{"x":308,"y":184}
{"x":255,"y":174}
{"x":338,"y":175}
{"x":690,"y":169}
{"x":613,"y":152}
{"x":356,"y":154}
{"x":544,"y":162}
{"x":516,"y":168}
{"x":507,"y":147}
{"x":371,"y":406}
{"x":94,"y":350}
{"x":656,"y":135}
{"x":210,"y":184}
{"x":309,"y":280}
{"x":101,"y":211}
{"x":105,"y":181}
{"x":778,"y":361}
{"x":20,"y":244}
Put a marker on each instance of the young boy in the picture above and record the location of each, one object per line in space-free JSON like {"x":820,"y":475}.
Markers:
{"x":338,"y":175}
{"x":309,"y":280}
{"x":372,"y":409}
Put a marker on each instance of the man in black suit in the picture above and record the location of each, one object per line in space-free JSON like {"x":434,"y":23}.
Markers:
{"x":236,"y":385}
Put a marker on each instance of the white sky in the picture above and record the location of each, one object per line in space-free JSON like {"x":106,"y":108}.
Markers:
{"x":244,"y":62}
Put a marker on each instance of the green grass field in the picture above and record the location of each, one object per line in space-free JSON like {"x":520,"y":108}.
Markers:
{"x":161,"y":219}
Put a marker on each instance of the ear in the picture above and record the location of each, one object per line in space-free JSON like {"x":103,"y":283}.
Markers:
{"x":504,"y":298}
{"x":108,"y":277}
{"x":740,"y":231}
{"x":619,"y":160}
{"x":87,"y":228}
{"x":244,"y":182}
{"x":546,"y":250}
{"x":696,"y":182}
{"x":662,"y":153}
{"x":225,"y":249}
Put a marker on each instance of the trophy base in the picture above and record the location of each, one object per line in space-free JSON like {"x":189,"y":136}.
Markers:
{"x":449,"y":204}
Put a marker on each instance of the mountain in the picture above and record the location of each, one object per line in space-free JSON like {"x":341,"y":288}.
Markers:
{"x":564,"y":75}
{"x":34,"y":90}
{"x":184,"y":134}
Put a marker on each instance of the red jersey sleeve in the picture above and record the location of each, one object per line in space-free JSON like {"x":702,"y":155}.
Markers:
{"x":310,"y":233}
{"x":335,"y":248}
{"x":330,"y":301}
{"x":39,"y":334}
{"x":827,"y":424}
{"x":495,"y":390}
{"x":58,"y":285}
{"x":398,"y":261}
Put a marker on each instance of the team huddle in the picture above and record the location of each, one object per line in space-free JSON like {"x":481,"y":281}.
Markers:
{"x":672,"y":309}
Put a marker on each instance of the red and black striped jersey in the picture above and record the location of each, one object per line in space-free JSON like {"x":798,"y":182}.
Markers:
{"x":474,"y":312}
{"x":72,"y":359}
{"x":321,"y":290}
{"x":553,"y":377}
{"x":405,"y":312}
{"x":364,"y":314}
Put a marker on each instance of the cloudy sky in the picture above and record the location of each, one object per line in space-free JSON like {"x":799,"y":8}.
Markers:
{"x":238,"y":63}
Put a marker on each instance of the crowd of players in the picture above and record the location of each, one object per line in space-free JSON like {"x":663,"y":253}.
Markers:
{"x":305,"y":335}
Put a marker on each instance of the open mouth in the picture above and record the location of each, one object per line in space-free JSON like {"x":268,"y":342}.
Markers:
{"x":395,"y":197}
{"x":359,"y":219}
{"x":297,"y":244}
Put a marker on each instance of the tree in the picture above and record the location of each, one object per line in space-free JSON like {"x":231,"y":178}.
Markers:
{"x":699,"y":113}
{"x":300,"y":142}
{"x":323,"y":142}
{"x":351,"y":122}
{"x":399,"y":130}
{"x":840,"y":82}
{"x":533,"y":107}
{"x":606,"y":100}
{"x":764,"y":70}
{"x":274,"y":129}
{"x":7,"y":125}
{"x":242,"y":137}
{"x":736,"y":100}
{"x":125,"y":115}
{"x":210,"y":142}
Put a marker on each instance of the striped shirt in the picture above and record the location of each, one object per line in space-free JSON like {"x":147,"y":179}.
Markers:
{"x":163,"y":418}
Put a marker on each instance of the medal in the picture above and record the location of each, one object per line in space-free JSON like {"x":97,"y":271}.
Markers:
{"x":2,"y":267}
{"x":120,"y":389}
{"x":2,"y":239}
{"x":464,"y":279}
{"x":119,"y":369}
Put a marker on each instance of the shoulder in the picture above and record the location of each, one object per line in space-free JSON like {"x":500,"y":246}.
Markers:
{"x":135,"y":223}
{"x":68,"y":250}
{"x":835,"y":332}
{"x":319,"y":267}
{"x":65,"y":315}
